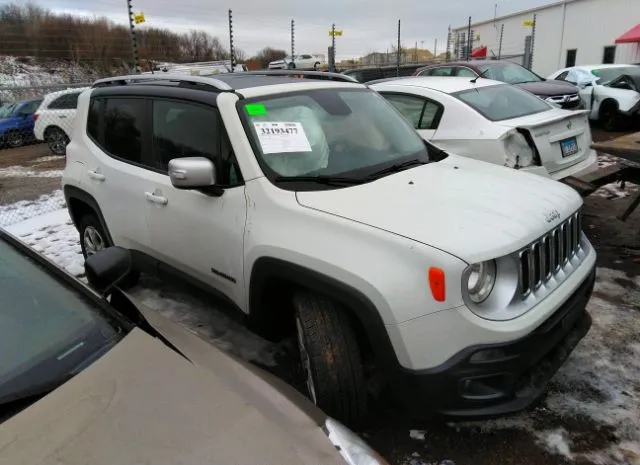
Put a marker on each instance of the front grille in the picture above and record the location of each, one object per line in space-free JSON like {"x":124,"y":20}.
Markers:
{"x":566,"y":101}
{"x":547,"y":256}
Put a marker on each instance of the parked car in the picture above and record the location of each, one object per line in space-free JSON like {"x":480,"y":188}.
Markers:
{"x":562,"y":94}
{"x":315,"y":211}
{"x":103,"y":382}
{"x":610,"y":92}
{"x":55,"y":117}
{"x":494,"y":122}
{"x":373,"y":73}
{"x":304,"y":61}
{"x":200,"y":68}
{"x":16,"y":122}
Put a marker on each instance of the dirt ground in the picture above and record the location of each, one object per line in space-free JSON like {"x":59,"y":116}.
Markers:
{"x":28,"y":172}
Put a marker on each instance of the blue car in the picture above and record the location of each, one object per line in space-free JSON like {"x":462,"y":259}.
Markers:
{"x":17,"y":121}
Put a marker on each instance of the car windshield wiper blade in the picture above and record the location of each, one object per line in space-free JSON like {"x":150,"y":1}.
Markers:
{"x":322,"y":179}
{"x":395,"y":168}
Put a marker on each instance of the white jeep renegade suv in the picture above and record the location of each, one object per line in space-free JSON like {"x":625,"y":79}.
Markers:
{"x":314,"y":209}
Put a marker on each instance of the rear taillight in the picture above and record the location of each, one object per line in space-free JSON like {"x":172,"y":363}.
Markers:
{"x":35,"y":116}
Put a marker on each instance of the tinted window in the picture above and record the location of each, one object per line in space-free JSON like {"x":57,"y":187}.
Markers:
{"x":30,"y":108}
{"x":123,"y":127}
{"x":444,"y":71}
{"x":65,"y":102}
{"x":466,"y":72}
{"x":183,"y":130}
{"x":423,"y":113}
{"x":93,"y":119}
{"x":498,"y":103}
{"x":509,"y":72}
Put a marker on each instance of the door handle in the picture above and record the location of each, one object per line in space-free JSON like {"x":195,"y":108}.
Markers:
{"x":62,"y":116}
{"x":95,"y":175}
{"x":157,"y":199}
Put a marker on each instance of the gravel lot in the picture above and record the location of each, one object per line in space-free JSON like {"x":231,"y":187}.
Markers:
{"x":590,"y":415}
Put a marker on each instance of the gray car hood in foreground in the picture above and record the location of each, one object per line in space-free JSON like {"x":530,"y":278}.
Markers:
{"x":142,"y":403}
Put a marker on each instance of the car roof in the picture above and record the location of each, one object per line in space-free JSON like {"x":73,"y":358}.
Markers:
{"x":445,"y":84}
{"x":592,"y":67}
{"x":57,"y":93}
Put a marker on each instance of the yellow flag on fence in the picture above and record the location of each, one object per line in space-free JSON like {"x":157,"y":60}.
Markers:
{"x":139,"y":19}
{"x":528,"y":23}
{"x":336,"y":33}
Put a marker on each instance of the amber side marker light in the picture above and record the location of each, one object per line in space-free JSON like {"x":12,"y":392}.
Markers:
{"x":436,"y":283}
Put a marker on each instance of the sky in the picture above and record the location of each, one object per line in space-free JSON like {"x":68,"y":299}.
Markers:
{"x":367,"y":25}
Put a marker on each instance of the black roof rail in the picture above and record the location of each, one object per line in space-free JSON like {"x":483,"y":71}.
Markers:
{"x":306,"y":74}
{"x":123,"y":80}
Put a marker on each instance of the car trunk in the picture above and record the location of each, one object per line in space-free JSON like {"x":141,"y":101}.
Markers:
{"x":561,"y":140}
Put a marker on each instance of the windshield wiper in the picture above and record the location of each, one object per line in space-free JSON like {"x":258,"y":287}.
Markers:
{"x":322,"y":179}
{"x":395,"y":168}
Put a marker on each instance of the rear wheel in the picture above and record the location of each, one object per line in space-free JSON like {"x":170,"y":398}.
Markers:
{"x":291,"y":66}
{"x":15,"y":139}
{"x":316,"y":66}
{"x":610,"y":117}
{"x":57,"y":141}
{"x":93,"y":238}
{"x":330,"y":358}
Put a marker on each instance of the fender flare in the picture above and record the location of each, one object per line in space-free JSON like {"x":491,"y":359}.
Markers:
{"x":72,"y":194}
{"x":360,"y":305}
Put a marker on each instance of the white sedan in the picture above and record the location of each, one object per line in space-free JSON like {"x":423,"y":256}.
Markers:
{"x":494,"y":122}
{"x":610,"y":92}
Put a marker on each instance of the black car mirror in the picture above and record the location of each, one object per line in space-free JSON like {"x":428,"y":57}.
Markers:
{"x":107,"y":267}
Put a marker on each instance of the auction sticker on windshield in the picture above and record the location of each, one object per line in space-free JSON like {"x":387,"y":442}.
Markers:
{"x":282,"y":137}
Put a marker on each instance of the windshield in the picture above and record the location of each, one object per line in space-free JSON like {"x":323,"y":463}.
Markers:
{"x":329,"y":132}
{"x":502,"y":102}
{"x":609,"y":74}
{"x":7,"y":109}
{"x":48,"y":331}
{"x":509,"y":72}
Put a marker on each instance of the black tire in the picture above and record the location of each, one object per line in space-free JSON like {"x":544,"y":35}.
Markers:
{"x":316,"y":66}
{"x":609,"y":117}
{"x":291,"y":66}
{"x":333,"y":365}
{"x":57,"y":140}
{"x":89,"y":225}
{"x":15,"y":139}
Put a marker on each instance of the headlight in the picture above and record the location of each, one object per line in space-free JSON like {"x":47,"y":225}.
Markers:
{"x":480,"y":280}
{"x":353,"y":449}
{"x":519,"y":152}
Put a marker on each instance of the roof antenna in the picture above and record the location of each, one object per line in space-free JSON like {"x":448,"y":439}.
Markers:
{"x":475,"y":79}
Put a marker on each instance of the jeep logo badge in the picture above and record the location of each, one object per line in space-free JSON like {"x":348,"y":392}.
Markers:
{"x":552,"y":216}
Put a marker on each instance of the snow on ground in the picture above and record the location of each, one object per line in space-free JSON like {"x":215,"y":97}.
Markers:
{"x":25,"y":209}
{"x":22,"y":172}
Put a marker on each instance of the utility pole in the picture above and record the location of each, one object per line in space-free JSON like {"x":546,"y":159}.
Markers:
{"x":448,"y":53}
{"x":333,"y":48}
{"x":469,"y":41}
{"x":500,"y":42}
{"x":134,"y":43}
{"x":533,"y":41}
{"x":398,"y":53}
{"x":231,"y":48}
{"x":435,"y":48}
{"x":415,"y":55}
{"x":293,"y":41}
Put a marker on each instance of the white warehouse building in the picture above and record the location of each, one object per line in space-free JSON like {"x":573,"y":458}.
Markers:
{"x":567,"y":33}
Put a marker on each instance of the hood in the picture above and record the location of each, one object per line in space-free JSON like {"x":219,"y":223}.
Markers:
{"x":144,"y":403}
{"x":549,"y":88}
{"x":470,"y":209}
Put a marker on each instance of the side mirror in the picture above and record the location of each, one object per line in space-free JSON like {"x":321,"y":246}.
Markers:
{"x":192,"y":172}
{"x":107,"y":267}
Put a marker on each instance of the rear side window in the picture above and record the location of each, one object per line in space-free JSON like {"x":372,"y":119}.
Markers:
{"x":502,"y":102}
{"x":124,"y":120}
{"x":421,"y":112}
{"x":93,"y":120}
{"x":444,"y":71}
{"x":65,"y":102}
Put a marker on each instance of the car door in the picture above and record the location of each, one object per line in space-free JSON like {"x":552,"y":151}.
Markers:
{"x":61,"y":111}
{"x":196,"y":233}
{"x":118,"y":165}
{"x":304,"y":61}
{"x":423,"y":113}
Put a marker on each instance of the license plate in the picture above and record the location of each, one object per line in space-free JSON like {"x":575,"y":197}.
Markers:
{"x":569,"y":146}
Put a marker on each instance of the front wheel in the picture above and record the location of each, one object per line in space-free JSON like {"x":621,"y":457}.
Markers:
{"x":316,"y":66}
{"x":330,"y":358}
{"x":610,"y":117}
{"x":15,"y":139}
{"x":291,"y":66}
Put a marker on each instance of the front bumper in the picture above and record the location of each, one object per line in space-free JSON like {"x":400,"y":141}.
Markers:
{"x":508,"y":378}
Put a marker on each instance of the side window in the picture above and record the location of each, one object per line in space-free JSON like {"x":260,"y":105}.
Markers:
{"x":93,"y":121}
{"x":465,"y":72}
{"x":571,"y":58}
{"x":425,"y":72}
{"x":188,"y":130}
{"x":65,"y":102}
{"x":29,"y":108}
{"x":444,"y":71}
{"x":422,"y":113}
{"x":609,"y":55}
{"x":124,"y":120}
